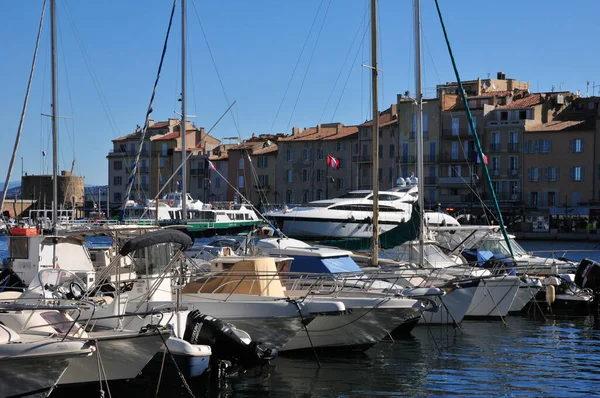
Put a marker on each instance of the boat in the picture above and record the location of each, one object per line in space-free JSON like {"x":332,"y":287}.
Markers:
{"x":32,"y":364}
{"x":203,"y":219}
{"x":348,"y":216}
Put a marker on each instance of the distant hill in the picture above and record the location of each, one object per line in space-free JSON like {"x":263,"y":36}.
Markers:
{"x":12,"y":184}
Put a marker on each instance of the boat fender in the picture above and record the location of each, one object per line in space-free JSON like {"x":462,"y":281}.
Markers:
{"x":171,"y":202}
{"x":550,"y":294}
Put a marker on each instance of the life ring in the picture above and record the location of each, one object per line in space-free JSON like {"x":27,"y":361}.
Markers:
{"x":171,"y":202}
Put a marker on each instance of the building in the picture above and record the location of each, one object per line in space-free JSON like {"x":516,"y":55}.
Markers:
{"x":301,"y":171}
{"x":218,"y":176}
{"x":160,"y":157}
{"x":40,"y":188}
{"x":407,"y":145}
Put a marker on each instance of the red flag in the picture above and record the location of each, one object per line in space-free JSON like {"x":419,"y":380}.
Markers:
{"x":211,"y":165}
{"x":485,"y":159}
{"x":333,"y":162}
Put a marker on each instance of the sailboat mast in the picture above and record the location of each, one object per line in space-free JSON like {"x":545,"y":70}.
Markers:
{"x":419,"y":117}
{"x":54,"y":114}
{"x":183,"y":118}
{"x":375,"y":134}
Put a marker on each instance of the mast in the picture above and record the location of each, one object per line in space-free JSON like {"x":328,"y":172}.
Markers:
{"x":54,"y":115}
{"x":419,"y":117}
{"x":375,"y":134}
{"x":183,"y":119}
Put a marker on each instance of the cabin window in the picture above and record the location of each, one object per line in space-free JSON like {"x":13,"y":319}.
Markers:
{"x":19,"y":247}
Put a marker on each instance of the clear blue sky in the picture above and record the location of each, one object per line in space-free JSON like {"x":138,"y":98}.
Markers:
{"x":256,"y":45}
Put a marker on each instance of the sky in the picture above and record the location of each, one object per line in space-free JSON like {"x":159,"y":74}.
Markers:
{"x":284,"y":63}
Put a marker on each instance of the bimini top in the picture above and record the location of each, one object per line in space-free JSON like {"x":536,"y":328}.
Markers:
{"x":155,"y":238}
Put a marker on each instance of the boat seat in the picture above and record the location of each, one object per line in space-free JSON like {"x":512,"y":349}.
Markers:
{"x":9,"y":296}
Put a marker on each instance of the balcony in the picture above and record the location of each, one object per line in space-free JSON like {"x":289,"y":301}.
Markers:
{"x":362,"y":158}
{"x":453,"y":180}
{"x":462,"y":133}
{"x":430,"y":180}
{"x":449,"y":158}
{"x":495,"y":172}
{"x":451,"y":198}
{"x":432,"y":158}
{"x":513,"y":147}
{"x":407,"y":159}
{"x":494,"y":147}
{"x":513,"y":172}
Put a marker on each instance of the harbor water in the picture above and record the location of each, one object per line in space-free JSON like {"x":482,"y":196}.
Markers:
{"x":556,"y":356}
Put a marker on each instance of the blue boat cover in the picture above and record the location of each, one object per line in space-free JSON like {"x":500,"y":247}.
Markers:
{"x":331,"y":265}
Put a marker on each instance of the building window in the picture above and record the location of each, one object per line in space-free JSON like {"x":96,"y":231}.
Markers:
{"x":117,"y":181}
{"x":342,"y":163}
{"x":117,"y":196}
{"x":503,"y":115}
{"x":528,"y":147}
{"x":289,"y":176}
{"x":320,"y":154}
{"x":513,"y":168}
{"x":551,"y":198}
{"x":551,"y":173}
{"x":162,"y":163}
{"x":392,"y":151}
{"x":306,"y":155}
{"x":240,"y":181}
{"x":305,"y":175}
{"x":340,"y":183}
{"x":320,"y":195}
{"x":263,"y":180}
{"x":534,"y":174}
{"x":132,"y":149}
{"x":118,"y":165}
{"x":391,"y":174}
{"x":241,"y":164}
{"x":319,"y":175}
{"x":474,"y":124}
{"x":545,"y":146}
{"x":455,"y":124}
{"x":340,"y":146}
{"x":454,"y":150}
{"x":289,"y":197}
{"x":164,"y":149}
{"x":576,"y":173}
{"x":263,"y":162}
{"x":577,"y":145}
{"x":533,"y":198}
{"x":289,"y":155}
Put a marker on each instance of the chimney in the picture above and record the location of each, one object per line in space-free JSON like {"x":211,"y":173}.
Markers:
{"x":295,"y":131}
{"x":150,"y":122}
{"x":253,"y":136}
{"x":394,"y":110}
{"x":318,"y":128}
{"x":501,"y":76}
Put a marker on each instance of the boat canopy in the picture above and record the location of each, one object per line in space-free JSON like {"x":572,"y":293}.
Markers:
{"x":155,"y":238}
{"x":329,"y":265}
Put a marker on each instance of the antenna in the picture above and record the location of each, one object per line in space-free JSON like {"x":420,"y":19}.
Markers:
{"x":230,"y":139}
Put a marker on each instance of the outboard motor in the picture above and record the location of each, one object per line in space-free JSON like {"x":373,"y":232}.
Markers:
{"x":10,"y":281}
{"x":232,"y":348}
{"x":588,"y":275}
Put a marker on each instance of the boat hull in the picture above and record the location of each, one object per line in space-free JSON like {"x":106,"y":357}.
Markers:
{"x":494,"y":297}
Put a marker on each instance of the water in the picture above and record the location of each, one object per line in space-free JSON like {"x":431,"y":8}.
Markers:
{"x":528,"y":356}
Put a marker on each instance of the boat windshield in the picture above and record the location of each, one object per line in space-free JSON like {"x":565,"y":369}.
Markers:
{"x":498,"y":246}
{"x":432,"y":255}
{"x":354,"y":195}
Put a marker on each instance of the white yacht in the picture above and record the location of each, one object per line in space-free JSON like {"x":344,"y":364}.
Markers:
{"x":349,"y":216}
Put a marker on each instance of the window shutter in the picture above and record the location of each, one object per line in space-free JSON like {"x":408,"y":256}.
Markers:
{"x":571,"y":173}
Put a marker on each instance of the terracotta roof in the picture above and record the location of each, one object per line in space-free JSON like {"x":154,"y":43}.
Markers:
{"x":263,"y":151}
{"x":170,"y":136}
{"x":564,"y":125}
{"x":325,"y":132}
{"x":126,"y":137}
{"x":214,"y":158}
{"x":525,"y":102}
{"x":385,"y":118}
{"x":159,"y":125}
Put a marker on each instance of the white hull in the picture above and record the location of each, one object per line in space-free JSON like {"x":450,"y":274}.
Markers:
{"x":453,"y":307}
{"x":123,"y":355}
{"x":525,"y":294}
{"x":494,"y":296}
{"x":331,"y":229}
{"x":365,"y":322}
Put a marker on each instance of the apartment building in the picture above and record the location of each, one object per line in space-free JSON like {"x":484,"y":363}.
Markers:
{"x":160,"y":156}
{"x":218,"y":177}
{"x":407,"y":144}
{"x":251,"y":170}
{"x":301,"y":171}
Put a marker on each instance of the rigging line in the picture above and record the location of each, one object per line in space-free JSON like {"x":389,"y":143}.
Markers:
{"x":103,"y":102}
{"x":347,"y":80}
{"x":308,"y":66}
{"x":212,"y":57}
{"x":337,"y":78}
{"x":478,"y":143}
{"x":431,"y":56}
{"x":148,"y":112}
{"x":296,"y":66}
{"x":70,"y":134}
{"x":24,"y":111}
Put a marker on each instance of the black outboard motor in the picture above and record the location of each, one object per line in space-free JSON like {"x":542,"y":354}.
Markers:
{"x":10,"y":281}
{"x":588,"y":275}
{"x":227,"y":343}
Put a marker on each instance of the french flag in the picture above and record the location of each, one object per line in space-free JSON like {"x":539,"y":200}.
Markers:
{"x":211,"y":165}
{"x":333,"y":162}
